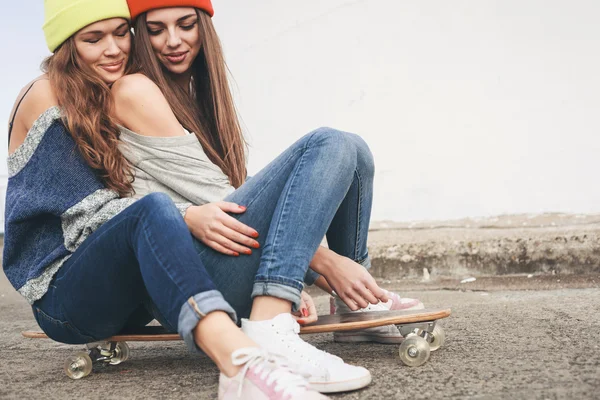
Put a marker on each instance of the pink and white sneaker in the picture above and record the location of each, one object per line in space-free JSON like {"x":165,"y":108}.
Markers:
{"x":325,"y":372}
{"x":388,"y":334}
{"x":264,"y":376}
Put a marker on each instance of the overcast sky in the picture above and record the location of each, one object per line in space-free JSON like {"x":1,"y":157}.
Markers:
{"x":471,"y":107}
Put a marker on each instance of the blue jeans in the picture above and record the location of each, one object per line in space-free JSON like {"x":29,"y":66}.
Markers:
{"x":321,"y":185}
{"x":142,"y":263}
{"x":142,"y":259}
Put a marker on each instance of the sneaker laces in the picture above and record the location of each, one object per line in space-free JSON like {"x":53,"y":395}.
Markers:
{"x":270,"y":368}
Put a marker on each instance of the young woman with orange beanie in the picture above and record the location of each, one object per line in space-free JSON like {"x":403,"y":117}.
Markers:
{"x":321,"y":185}
{"x":90,"y":259}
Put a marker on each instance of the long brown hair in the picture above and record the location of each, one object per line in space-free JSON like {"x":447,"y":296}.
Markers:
{"x":86,"y":106}
{"x":208,"y":110}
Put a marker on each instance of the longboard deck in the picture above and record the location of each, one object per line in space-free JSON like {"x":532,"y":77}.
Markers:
{"x":325,"y":323}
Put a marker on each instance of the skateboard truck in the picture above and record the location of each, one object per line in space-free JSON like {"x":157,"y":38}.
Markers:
{"x":421,"y":339}
{"x":80,"y":364}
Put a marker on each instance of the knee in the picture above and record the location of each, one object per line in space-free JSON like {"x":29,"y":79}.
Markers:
{"x":365,"y":160}
{"x":334,"y":136}
{"x":156,"y":199}
{"x":158,"y":205}
{"x":340,"y":145}
{"x":345,"y":143}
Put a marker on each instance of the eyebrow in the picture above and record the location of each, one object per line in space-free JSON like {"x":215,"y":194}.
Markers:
{"x":179,"y":20}
{"x":102,"y":32}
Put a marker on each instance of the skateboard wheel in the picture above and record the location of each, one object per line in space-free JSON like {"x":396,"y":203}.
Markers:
{"x":414,"y":351}
{"x":121,"y":353}
{"x":78,"y":366}
{"x":439,"y":337}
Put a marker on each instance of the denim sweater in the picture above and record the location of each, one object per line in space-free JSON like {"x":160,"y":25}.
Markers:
{"x":54,"y":202}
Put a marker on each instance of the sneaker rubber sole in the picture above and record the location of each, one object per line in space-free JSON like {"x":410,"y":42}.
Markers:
{"x":342,"y":386}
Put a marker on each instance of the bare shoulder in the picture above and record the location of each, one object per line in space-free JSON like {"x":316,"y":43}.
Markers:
{"x":35,"y":98}
{"x":133,"y":86}
{"x":141,"y":107}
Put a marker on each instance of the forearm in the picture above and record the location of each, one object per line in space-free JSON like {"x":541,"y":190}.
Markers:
{"x":322,"y":283}
{"x":323,"y":261}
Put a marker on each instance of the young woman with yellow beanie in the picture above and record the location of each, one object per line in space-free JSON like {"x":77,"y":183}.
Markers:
{"x":90,"y":259}
{"x":320,"y":185}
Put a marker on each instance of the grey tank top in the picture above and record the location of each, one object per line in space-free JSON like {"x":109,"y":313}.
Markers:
{"x":177,"y":166}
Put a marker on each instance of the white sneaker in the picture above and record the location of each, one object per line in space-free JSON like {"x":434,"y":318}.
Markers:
{"x":264,"y":377}
{"x":326,"y":373}
{"x":387,"y":334}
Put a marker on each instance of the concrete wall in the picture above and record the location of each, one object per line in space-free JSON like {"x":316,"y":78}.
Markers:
{"x":471,"y":107}
{"x":475,"y":107}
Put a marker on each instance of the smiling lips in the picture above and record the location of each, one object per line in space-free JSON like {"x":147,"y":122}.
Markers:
{"x":176,"y":58}
{"x":113,"y":67}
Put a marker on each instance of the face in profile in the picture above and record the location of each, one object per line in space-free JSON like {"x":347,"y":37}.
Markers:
{"x":104,"y":47}
{"x":174,"y":36}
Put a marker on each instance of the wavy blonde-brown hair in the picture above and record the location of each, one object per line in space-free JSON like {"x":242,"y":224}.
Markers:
{"x":86,"y":106}
{"x":208,"y":109}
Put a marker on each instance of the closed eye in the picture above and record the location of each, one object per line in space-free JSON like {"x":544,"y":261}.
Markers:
{"x":188,"y":27}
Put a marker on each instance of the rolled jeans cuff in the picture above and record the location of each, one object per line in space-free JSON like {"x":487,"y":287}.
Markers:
{"x":289,"y":291}
{"x":198,"y":307}
{"x":365,"y":262}
{"x":310,"y":277}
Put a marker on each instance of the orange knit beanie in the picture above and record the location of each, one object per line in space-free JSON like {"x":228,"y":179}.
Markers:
{"x":136,"y":7}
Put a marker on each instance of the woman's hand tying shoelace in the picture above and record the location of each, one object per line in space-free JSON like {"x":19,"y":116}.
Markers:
{"x":353,"y":283}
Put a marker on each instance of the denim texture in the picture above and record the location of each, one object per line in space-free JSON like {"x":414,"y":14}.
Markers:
{"x":140,"y":264}
{"x":321,"y":185}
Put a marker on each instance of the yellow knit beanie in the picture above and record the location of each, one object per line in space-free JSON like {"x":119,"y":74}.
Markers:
{"x":63,"y":18}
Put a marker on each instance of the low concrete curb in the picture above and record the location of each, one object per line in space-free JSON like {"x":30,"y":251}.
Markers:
{"x":516,"y":244}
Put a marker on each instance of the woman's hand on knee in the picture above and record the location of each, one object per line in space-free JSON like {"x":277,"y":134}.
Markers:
{"x":354,"y":284}
{"x":307,"y":312}
{"x":211,"y":224}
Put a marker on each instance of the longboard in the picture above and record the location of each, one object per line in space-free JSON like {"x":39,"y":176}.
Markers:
{"x":422,"y":335}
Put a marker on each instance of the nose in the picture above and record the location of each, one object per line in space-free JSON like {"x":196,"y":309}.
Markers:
{"x":113,"y":48}
{"x":173,"y":39}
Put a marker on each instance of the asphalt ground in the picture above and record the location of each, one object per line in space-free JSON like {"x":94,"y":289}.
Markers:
{"x":508,"y":338}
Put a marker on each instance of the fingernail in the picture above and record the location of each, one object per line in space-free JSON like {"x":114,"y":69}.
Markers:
{"x":235,"y":253}
{"x":242,"y":208}
{"x":249,"y":252}
{"x":254,"y":234}
{"x":301,"y":321}
{"x":305,"y":312}
{"x":256,"y":245}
